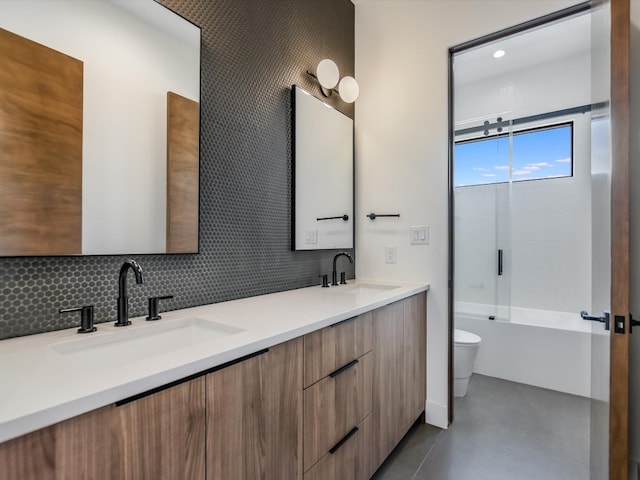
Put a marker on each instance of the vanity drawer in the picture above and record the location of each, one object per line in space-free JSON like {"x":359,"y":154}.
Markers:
{"x":350,"y":459}
{"x":328,"y":349}
{"x":334,"y":405}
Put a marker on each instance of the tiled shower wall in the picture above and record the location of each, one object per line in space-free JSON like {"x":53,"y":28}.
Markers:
{"x":252,"y":52}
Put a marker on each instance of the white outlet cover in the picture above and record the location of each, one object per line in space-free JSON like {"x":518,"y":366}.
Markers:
{"x":390,"y":254}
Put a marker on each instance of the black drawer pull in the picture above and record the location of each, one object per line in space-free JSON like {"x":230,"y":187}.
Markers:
{"x":343,"y":321}
{"x":343,"y":441}
{"x":133,"y":398}
{"x":343,"y":368}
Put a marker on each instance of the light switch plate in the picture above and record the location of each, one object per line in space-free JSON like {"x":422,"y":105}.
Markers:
{"x":311,"y":236}
{"x":419,"y":235}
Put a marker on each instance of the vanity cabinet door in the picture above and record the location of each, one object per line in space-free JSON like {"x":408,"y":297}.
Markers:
{"x":162,"y":435}
{"x":254,"y":417}
{"x":388,"y":380}
{"x":415,"y":358}
{"x":399,"y":374}
{"x":158,"y":436}
{"x":76,"y":449}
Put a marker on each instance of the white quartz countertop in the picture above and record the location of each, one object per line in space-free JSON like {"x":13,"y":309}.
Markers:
{"x":50,"y":377}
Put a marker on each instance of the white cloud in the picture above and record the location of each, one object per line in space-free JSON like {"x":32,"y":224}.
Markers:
{"x":501,"y":167}
{"x":480,"y":169}
{"x":540,"y":164}
{"x":489,"y":175}
{"x":564,"y":160}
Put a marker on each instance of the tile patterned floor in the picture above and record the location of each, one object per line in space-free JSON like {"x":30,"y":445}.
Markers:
{"x":502,"y":431}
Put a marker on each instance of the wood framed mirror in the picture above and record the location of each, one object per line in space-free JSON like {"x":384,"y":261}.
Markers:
{"x":100,"y":138}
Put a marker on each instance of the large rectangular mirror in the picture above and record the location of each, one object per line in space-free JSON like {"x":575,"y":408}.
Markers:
{"x":99,"y":144}
{"x":322,"y":175}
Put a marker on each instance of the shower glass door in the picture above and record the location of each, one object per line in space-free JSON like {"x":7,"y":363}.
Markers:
{"x":482,"y":171}
{"x":521,"y":175}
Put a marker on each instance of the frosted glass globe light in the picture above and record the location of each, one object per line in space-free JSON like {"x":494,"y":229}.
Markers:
{"x":348,"y":89}
{"x":327,"y":73}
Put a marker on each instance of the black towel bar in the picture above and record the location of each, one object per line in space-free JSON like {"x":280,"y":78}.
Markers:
{"x":373,"y":216}
{"x":344,"y":217}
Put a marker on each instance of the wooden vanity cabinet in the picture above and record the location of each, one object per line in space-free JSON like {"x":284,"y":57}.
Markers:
{"x":338,"y":364}
{"x":382,"y":394}
{"x":254,"y":417}
{"x":75,"y":449}
{"x":242,"y":421}
{"x":399,"y":372}
{"x":330,"y":405}
{"x":159,"y":436}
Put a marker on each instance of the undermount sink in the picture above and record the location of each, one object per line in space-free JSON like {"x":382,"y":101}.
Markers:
{"x":365,"y":288}
{"x":137,"y":343}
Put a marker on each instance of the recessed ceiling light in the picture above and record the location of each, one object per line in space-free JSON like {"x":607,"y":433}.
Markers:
{"x":498,"y":53}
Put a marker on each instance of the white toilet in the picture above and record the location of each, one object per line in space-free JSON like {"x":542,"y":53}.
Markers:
{"x":466,"y":345}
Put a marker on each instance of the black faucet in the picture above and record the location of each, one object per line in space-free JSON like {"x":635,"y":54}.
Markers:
{"x":334,"y":274}
{"x":123,"y":299}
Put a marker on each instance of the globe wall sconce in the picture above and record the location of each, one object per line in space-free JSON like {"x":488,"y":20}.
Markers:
{"x":328,"y":76}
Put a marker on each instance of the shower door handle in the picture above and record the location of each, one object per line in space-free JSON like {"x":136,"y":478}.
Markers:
{"x":604,"y":319}
{"x":500,"y":262}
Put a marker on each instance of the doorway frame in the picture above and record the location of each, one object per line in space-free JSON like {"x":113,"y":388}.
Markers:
{"x":500,"y":34}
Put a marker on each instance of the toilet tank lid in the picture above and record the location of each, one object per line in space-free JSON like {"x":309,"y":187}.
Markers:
{"x":464,"y":337}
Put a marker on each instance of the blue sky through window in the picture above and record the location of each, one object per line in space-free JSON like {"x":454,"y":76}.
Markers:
{"x":537,"y":154}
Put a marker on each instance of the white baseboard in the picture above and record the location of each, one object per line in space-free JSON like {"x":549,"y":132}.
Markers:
{"x":436,"y":414}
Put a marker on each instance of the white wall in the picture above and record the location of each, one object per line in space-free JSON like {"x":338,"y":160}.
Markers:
{"x":541,"y":88}
{"x":401,"y":50}
{"x":635,"y":229}
{"x":129,"y":65}
{"x":543,"y":226}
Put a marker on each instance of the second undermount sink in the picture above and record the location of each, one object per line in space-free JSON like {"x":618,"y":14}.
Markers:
{"x":137,"y":343}
{"x":365,"y":288}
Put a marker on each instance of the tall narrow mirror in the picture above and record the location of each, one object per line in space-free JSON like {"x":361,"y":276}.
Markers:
{"x":322,"y":175}
{"x":99,"y":150}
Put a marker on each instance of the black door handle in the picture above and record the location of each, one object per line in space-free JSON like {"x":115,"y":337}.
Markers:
{"x":500,"y":262}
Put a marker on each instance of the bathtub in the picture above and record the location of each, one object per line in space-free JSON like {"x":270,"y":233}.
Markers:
{"x":537,"y":347}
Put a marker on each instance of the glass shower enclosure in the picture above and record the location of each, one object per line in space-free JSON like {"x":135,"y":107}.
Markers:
{"x":521,"y":173}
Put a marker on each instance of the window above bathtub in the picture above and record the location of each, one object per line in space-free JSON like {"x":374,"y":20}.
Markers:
{"x":527,"y":154}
